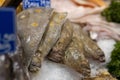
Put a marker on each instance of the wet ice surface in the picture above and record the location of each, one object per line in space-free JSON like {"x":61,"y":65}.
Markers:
{"x":54,"y":71}
{"x":107,"y":45}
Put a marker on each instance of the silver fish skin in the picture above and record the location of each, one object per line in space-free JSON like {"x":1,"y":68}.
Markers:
{"x":57,"y":51}
{"x":49,"y":39}
{"x":31,"y":25}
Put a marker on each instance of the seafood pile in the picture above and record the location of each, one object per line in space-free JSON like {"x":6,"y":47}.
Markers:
{"x":70,"y":41}
{"x":45,"y":33}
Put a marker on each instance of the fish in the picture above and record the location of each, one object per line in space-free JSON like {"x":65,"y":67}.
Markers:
{"x":57,"y":52}
{"x":31,"y":25}
{"x":49,"y":39}
{"x":93,"y":51}
{"x":74,"y":58}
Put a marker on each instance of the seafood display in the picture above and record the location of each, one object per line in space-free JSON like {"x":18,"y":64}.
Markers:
{"x":72,"y":40}
{"x":53,"y":36}
{"x":56,"y":38}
